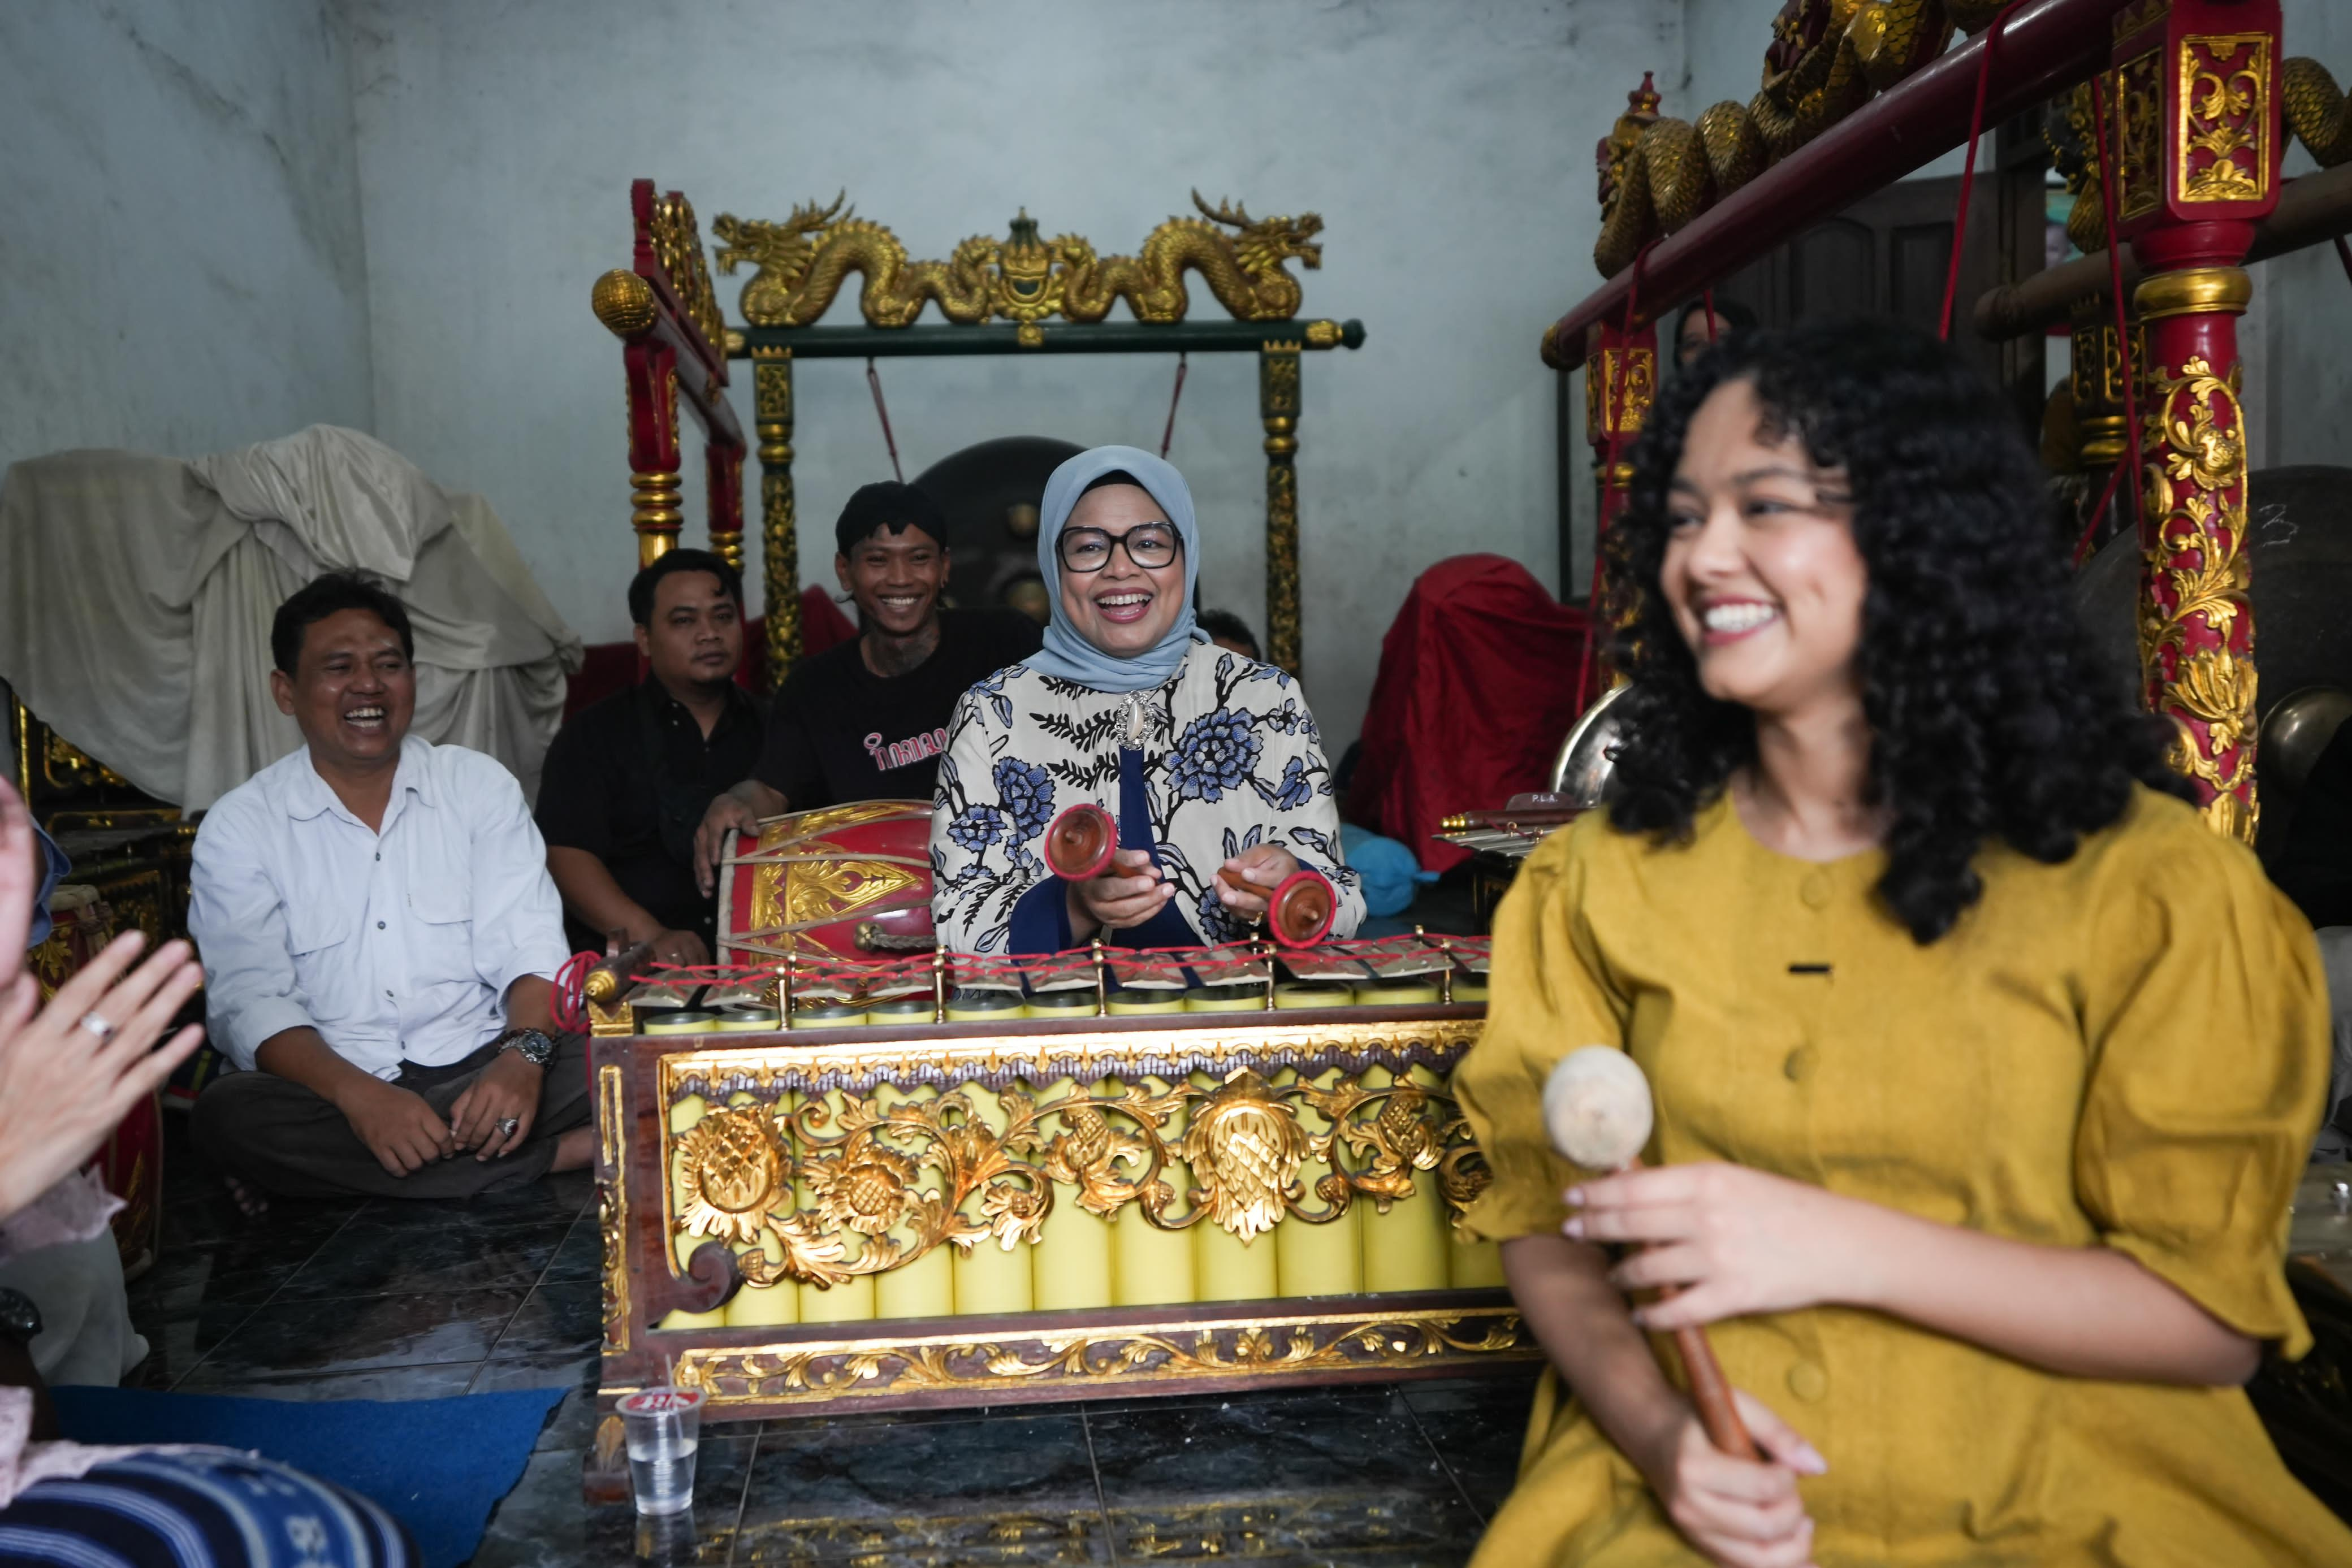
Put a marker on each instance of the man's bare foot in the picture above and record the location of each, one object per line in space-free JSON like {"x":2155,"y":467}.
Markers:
{"x":575,"y":1150}
{"x":250,"y":1201}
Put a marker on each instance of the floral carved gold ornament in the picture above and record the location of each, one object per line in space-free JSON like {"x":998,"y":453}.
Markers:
{"x":2197,"y":496}
{"x":733,"y":1174}
{"x":1086,"y":1154}
{"x":1248,"y":1149}
{"x":734,"y":1185}
{"x":868,"y":1204}
{"x":866,"y":1189}
{"x":2224,"y":89}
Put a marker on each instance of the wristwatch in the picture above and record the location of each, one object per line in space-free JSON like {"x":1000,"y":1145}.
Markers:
{"x":532,"y":1045}
{"x":19,"y":1318}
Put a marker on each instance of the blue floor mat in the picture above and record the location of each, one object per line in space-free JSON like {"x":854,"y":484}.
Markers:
{"x":438,"y":1464}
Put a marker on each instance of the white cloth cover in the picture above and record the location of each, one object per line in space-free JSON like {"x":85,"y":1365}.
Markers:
{"x":136,"y":594}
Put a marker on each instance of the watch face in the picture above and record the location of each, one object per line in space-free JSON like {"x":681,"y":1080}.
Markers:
{"x":19,"y":1318}
{"x":536,"y":1048}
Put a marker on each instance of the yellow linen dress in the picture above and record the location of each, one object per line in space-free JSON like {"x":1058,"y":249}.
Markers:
{"x":2128,"y":1049}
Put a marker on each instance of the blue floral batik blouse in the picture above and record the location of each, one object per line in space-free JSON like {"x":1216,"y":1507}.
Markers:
{"x":1221,"y":756}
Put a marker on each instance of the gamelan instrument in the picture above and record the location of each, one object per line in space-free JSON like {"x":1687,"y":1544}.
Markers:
{"x":1597,"y":1109}
{"x":840,"y":880}
{"x":1081,"y":840}
{"x":876,"y":1179}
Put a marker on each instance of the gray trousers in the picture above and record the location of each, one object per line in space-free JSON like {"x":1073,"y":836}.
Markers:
{"x":283,"y":1138}
{"x":86,"y":1334}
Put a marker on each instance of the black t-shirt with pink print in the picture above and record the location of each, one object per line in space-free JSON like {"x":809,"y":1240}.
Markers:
{"x":839,"y":732}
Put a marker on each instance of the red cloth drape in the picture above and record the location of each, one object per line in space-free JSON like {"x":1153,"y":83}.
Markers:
{"x":609,"y":666}
{"x":1476,"y":689}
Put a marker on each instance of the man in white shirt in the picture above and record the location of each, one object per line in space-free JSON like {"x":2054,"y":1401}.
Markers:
{"x":379,"y":934}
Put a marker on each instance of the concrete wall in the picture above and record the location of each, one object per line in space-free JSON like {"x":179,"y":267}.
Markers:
{"x":2297,"y":337}
{"x":181,"y":267}
{"x":1447,"y":148}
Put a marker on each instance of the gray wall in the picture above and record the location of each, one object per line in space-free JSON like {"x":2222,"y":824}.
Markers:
{"x":2297,"y":337}
{"x":1446,"y":146}
{"x":181,"y":265}
{"x":185,"y":270}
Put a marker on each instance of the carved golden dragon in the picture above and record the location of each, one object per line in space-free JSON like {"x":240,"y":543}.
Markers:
{"x":2316,"y":111}
{"x":801,"y":263}
{"x":1243,"y":270}
{"x":1826,"y":59}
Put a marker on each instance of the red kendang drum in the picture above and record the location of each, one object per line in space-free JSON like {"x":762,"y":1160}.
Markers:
{"x":850,"y":881}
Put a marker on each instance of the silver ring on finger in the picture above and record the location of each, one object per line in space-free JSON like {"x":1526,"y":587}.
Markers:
{"x":96,"y":1024}
{"x":507,"y":1128}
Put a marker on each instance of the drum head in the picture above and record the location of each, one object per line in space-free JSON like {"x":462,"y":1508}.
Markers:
{"x":852,"y":882}
{"x":1080,"y":843}
{"x":1300,"y":914}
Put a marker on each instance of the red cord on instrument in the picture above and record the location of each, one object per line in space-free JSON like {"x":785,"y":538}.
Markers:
{"x":874,"y":380}
{"x":2082,"y":545}
{"x":968,"y":967}
{"x":1169,"y":434}
{"x":568,"y":1003}
{"x":1968,"y":170}
{"x":2107,"y":164}
{"x":1608,"y":478}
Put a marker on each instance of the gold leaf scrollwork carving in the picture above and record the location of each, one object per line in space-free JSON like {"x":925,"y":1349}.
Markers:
{"x":677,"y":242}
{"x":2196,"y":498}
{"x":900,"y":1180}
{"x":2225,"y":86}
{"x":1109,"y":1356}
{"x":1087,"y":1153}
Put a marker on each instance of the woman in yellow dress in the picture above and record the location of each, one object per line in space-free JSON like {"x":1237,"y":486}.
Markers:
{"x":1984,"y":1070}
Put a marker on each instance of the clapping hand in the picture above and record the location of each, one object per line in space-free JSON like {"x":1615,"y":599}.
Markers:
{"x":71,"y":1070}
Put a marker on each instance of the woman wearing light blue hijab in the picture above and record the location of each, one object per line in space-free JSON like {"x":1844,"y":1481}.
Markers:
{"x":1205,"y":759}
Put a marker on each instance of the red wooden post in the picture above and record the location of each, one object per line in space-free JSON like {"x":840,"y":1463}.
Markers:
{"x":1621,"y":379}
{"x":2194,"y":88}
{"x":656,"y":507}
{"x":723,"y":470}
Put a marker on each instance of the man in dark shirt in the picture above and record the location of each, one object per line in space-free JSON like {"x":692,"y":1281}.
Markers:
{"x":868,"y":720}
{"x":628,"y":779}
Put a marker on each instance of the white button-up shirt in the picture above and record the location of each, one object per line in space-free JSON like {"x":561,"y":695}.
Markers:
{"x":398,"y":944}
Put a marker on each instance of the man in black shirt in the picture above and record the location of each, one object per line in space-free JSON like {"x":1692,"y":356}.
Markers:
{"x":868,"y":720}
{"x":628,"y":779}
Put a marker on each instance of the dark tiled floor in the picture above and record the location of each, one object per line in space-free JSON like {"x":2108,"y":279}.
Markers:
{"x":385,"y":1300}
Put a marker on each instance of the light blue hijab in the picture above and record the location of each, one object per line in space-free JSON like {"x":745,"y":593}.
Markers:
{"x":1070,"y":657}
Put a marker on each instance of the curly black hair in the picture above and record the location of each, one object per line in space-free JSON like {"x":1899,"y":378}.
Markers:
{"x":1991,"y":711}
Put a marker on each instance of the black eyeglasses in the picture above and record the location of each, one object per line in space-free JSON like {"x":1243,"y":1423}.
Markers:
{"x":1148,"y":544}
